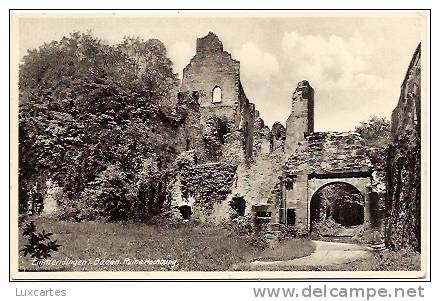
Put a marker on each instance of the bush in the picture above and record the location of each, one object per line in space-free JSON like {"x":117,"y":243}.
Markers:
{"x":107,"y":196}
{"x":148,"y":192}
{"x":368,"y":235}
{"x":388,"y":260}
{"x":84,"y":106}
{"x":244,"y":227}
{"x":287,"y":231}
{"x":117,"y":195}
{"x":328,"y":227}
{"x":402,"y":260}
{"x":72,"y":211}
{"x":257,"y":239}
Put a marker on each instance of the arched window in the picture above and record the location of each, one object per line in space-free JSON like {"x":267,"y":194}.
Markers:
{"x":217,"y":94}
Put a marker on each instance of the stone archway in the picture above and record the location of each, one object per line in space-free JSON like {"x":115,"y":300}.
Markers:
{"x":336,"y":209}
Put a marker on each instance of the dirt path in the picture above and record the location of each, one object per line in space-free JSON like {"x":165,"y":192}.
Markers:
{"x":326,"y":254}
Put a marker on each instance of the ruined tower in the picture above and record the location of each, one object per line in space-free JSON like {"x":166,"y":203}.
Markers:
{"x":214,"y":74}
{"x":300,"y":122}
{"x":215,"y":77}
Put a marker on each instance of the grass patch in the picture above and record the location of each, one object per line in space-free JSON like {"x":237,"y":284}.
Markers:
{"x":287,"y":250}
{"x":193,"y":247}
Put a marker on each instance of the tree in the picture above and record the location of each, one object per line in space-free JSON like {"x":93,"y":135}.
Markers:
{"x":149,"y":66}
{"x":377,"y":134}
{"x":85,"y":106}
{"x":376,"y":131}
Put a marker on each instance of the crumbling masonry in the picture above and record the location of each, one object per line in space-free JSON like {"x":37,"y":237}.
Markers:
{"x":233,"y":164}
{"x":404,"y":163}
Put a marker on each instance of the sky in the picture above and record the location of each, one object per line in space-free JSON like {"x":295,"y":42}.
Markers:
{"x":355,"y":63}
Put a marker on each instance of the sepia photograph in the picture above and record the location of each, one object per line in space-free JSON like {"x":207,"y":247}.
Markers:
{"x":219,"y":144}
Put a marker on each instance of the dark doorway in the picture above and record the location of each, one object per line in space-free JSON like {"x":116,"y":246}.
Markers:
{"x":186,"y":212}
{"x":316,"y":207}
{"x":335,"y":207}
{"x":188,"y":144}
{"x":348,"y":213}
{"x":291,"y":217}
{"x":238,"y":203}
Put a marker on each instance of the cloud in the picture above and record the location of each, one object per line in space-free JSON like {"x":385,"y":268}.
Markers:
{"x":255,"y":63}
{"x":257,"y":69}
{"x":343,"y":75}
{"x":181,"y":53}
{"x":331,"y":61}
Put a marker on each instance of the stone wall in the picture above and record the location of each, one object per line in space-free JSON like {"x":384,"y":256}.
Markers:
{"x":213,"y":68}
{"x":212,"y":186}
{"x":330,"y":152}
{"x":257,"y":182}
{"x":278,"y":137}
{"x":233,"y":149}
{"x":262,"y":136}
{"x":321,"y":159}
{"x":295,"y":197}
{"x":53,"y":195}
{"x":189,"y":133}
{"x":406,"y":115}
{"x":299,"y":193}
{"x":247,"y":120}
{"x":403,"y":207}
{"x":362,"y":185}
{"x":237,"y":155}
{"x":300,"y":122}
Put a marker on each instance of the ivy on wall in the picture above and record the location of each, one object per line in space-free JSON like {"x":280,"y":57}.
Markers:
{"x":208,"y":183}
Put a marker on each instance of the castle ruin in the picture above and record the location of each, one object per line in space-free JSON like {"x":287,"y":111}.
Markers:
{"x":235,"y":165}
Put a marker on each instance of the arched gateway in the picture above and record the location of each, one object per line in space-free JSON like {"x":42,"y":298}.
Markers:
{"x":325,"y":159}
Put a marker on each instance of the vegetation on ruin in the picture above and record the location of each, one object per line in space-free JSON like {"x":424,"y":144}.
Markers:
{"x":90,"y":115}
{"x":209,"y":184}
{"x":404,"y":193}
